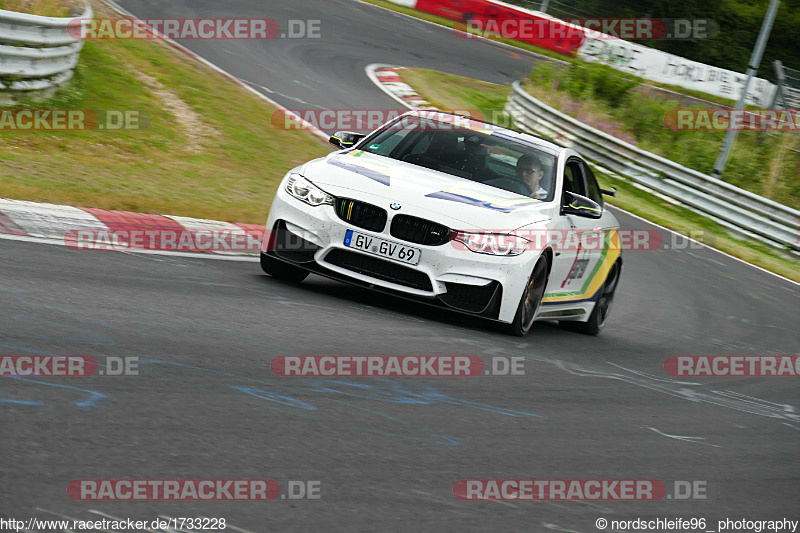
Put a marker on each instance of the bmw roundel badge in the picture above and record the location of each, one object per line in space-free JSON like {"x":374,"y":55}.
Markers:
{"x":395,"y":206}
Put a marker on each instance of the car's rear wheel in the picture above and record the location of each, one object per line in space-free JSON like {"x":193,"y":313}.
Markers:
{"x":530,"y":301}
{"x":602,"y":308}
{"x":279,"y":269}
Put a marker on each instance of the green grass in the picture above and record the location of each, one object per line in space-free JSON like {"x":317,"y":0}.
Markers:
{"x":45,"y":8}
{"x":454,"y":92}
{"x":225,"y":165}
{"x":480,"y":99}
{"x":712,"y":98}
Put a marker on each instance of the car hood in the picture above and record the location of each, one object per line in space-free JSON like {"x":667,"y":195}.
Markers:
{"x":457,"y":202}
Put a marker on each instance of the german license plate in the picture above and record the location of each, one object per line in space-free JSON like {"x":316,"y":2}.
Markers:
{"x":382,"y":248}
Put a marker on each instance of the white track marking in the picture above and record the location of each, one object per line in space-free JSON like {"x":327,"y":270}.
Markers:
{"x":694,"y":440}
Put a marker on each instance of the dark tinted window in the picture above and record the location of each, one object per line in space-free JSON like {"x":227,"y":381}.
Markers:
{"x":473,"y":154}
{"x":573,"y":177}
{"x":592,"y":188}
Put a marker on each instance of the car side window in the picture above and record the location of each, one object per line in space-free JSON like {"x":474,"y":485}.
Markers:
{"x":573,"y":178}
{"x":592,"y":188}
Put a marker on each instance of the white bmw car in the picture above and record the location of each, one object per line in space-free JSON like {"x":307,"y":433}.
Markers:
{"x":438,"y":208}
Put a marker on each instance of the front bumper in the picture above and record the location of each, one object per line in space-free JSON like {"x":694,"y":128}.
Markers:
{"x":447,"y":276}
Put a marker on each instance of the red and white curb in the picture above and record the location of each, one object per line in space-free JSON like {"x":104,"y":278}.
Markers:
{"x":387,"y":78}
{"x":120,"y":230}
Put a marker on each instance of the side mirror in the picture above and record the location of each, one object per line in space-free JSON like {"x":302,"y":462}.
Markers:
{"x":346,"y":139}
{"x":575,"y":204}
{"x":609,"y":192}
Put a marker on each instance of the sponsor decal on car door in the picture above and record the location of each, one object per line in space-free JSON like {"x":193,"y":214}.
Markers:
{"x":589,"y":247}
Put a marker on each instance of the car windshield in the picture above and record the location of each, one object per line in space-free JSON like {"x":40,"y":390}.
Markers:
{"x":461,"y":151}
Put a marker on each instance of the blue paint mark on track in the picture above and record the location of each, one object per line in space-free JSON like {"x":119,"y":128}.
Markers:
{"x":92,"y":399}
{"x":278,"y":398}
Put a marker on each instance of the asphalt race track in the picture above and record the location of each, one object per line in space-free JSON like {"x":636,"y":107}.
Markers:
{"x":328,"y":72}
{"x":206,"y":404}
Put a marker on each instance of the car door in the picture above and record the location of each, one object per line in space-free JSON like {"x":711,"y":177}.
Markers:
{"x":584,"y":243}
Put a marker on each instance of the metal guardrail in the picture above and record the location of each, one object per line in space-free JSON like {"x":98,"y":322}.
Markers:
{"x":741,"y":210}
{"x":37,"y":54}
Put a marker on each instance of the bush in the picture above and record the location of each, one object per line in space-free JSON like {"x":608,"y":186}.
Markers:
{"x":587,"y":80}
{"x":546,"y":74}
{"x":600,"y":82}
{"x":611,"y":85}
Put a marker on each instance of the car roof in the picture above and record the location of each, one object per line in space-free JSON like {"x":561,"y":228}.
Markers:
{"x":489,"y":129}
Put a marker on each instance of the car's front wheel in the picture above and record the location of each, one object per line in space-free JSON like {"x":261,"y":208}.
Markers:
{"x":530,"y":301}
{"x":279,"y":269}
{"x":603,"y":306}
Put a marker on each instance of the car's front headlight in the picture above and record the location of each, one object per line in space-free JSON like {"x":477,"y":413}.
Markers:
{"x":302,"y":189}
{"x":491,"y":243}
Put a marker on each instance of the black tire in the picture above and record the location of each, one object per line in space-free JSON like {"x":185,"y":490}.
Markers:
{"x":530,"y":301}
{"x":602,"y":309}
{"x":284,"y":271}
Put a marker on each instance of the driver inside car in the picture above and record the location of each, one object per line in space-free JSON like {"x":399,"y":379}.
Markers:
{"x":530,"y":170}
